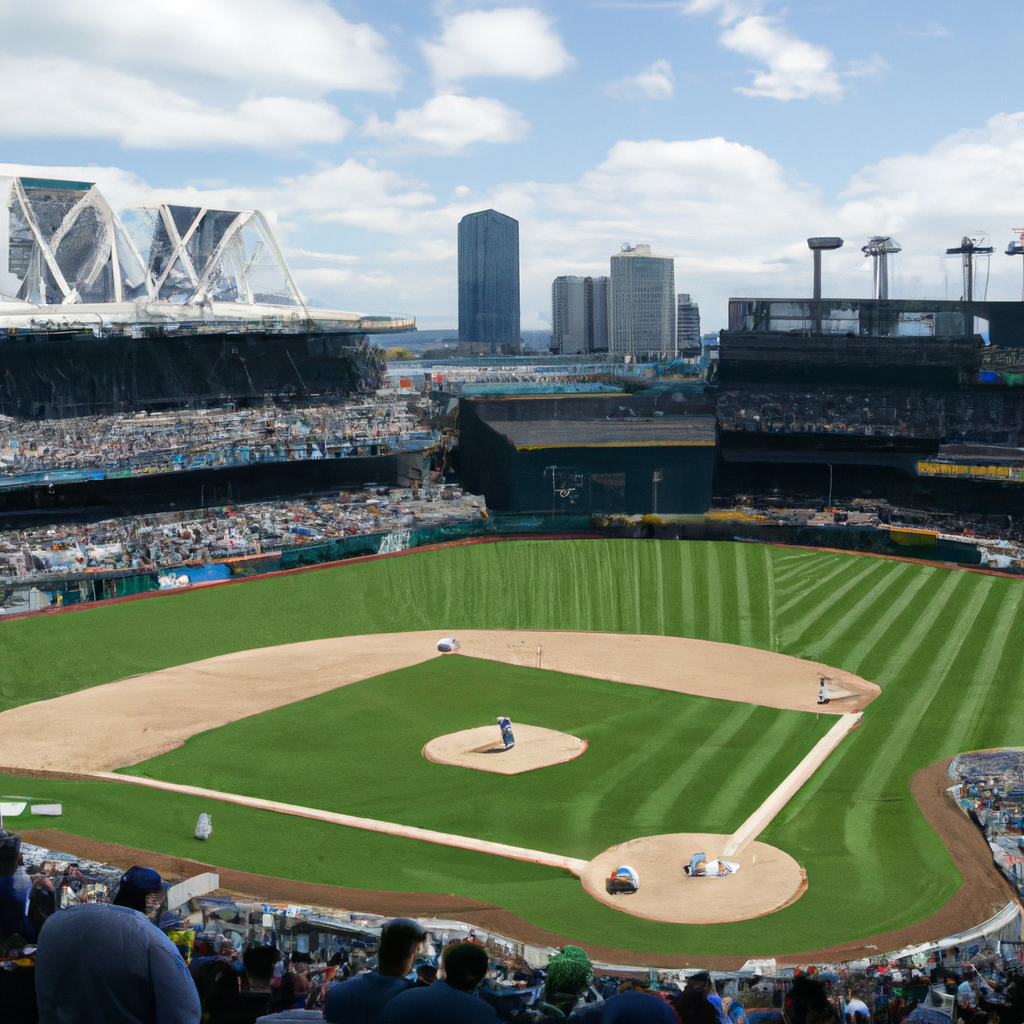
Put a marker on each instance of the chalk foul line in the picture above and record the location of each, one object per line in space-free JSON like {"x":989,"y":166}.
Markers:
{"x":791,"y":784}
{"x":554,"y":860}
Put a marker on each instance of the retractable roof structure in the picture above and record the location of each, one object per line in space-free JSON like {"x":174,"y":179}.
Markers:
{"x":68,"y":262}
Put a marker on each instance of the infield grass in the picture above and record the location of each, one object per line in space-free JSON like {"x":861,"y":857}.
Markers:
{"x":946,"y":647}
{"x":657,"y":761}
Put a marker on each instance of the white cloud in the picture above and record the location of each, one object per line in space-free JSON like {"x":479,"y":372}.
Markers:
{"x":72,"y":100}
{"x":262,"y":45}
{"x":448,"y":123}
{"x":518,"y":42}
{"x":932,"y":29}
{"x":873,"y":67}
{"x":327,"y":257}
{"x":352,"y":194}
{"x":796,"y":69}
{"x":329,"y":280}
{"x":184,"y":73}
{"x":656,"y":82}
{"x":729,"y":10}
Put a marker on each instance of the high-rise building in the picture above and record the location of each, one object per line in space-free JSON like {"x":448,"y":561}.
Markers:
{"x":643,"y":303}
{"x":579,"y":315}
{"x":600,"y":313}
{"x":687,"y":324}
{"x":489,"y":282}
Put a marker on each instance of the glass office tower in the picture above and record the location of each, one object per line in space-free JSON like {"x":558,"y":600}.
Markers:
{"x":643,"y":321}
{"x":489,"y":281}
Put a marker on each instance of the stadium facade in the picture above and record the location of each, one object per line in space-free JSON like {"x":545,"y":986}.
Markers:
{"x":162,"y":306}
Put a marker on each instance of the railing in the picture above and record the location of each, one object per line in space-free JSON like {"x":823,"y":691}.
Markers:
{"x":870,"y":318}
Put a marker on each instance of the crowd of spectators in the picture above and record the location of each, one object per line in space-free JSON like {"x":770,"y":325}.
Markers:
{"x":166,"y":540}
{"x":194,"y":438}
{"x":132,"y":960}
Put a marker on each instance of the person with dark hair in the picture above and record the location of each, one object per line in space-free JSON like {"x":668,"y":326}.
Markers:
{"x":808,"y":997}
{"x":449,"y":999}
{"x":692,"y":1004}
{"x":217,"y":984}
{"x":254,"y":1000}
{"x":102,"y":963}
{"x":363,"y":998}
{"x":141,"y":889}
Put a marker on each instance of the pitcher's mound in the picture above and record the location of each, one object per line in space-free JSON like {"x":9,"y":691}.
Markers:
{"x":767,"y":880}
{"x":481,"y":748}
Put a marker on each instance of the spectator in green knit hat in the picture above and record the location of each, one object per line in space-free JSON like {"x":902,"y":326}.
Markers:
{"x":569,"y":973}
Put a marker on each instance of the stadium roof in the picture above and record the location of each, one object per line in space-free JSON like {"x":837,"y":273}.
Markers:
{"x":68,"y":261}
{"x":665,"y":431}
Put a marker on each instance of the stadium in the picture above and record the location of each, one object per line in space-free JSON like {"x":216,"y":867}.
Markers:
{"x":338,"y":724}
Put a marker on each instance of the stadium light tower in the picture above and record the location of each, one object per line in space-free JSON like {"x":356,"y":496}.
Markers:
{"x":881,"y":247}
{"x":1016,"y":248}
{"x":969,"y":249}
{"x":816,"y":245}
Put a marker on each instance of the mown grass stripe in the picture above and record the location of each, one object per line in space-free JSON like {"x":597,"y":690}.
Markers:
{"x":747,"y":786}
{"x":795,"y":582}
{"x":872,"y":638}
{"x":809,"y":596}
{"x":901,"y":728}
{"x":676,"y":783}
{"x":745,"y":577}
{"x":845,"y":625}
{"x":918,"y":634}
{"x":797,"y":629}
{"x":1001,"y":714}
{"x":772,"y":641}
{"x":716,"y":604}
{"x":975,"y":678}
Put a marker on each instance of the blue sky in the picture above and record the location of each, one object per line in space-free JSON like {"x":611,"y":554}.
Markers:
{"x":722,"y":132}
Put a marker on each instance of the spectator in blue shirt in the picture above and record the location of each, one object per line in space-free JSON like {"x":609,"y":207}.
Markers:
{"x":361,"y":999}
{"x":16,"y":929}
{"x":447,"y":1001}
{"x":103,"y":964}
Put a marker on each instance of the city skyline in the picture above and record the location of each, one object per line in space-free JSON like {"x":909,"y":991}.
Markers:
{"x":724,"y":131}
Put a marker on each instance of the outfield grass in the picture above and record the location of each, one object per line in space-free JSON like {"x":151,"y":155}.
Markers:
{"x":946,"y":647}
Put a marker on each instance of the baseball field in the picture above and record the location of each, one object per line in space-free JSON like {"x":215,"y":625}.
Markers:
{"x":944,"y":645}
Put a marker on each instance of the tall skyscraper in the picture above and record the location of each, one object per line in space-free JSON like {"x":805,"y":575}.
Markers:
{"x":579,"y":315}
{"x":489,"y":281}
{"x":687,"y":324}
{"x":643,"y":303}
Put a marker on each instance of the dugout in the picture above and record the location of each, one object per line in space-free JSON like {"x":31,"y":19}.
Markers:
{"x":578,"y":454}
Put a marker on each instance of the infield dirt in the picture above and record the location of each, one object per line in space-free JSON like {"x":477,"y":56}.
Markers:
{"x":118,"y":724}
{"x":768,"y":879}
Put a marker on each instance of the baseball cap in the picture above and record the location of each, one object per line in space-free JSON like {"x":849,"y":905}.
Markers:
{"x":404,"y":925}
{"x":145,"y":879}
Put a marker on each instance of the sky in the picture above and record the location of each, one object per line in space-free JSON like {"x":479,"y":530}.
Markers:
{"x":721,"y":132}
